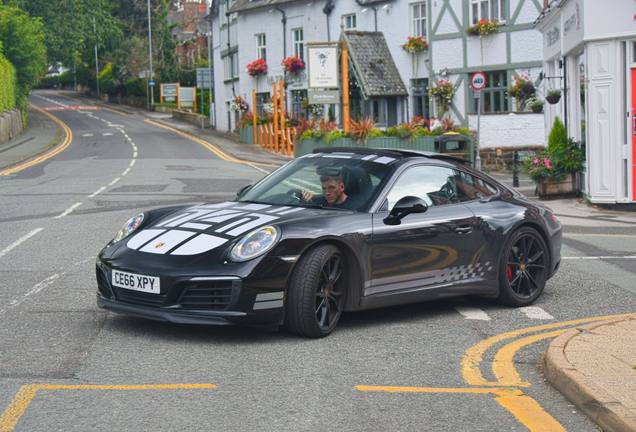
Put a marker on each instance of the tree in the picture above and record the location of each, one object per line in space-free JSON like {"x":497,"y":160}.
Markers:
{"x":23,"y":45}
{"x":74,"y":27}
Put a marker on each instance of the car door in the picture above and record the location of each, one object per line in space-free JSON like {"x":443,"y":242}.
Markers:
{"x":439,"y":246}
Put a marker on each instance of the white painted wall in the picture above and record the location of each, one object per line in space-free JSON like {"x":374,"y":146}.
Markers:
{"x":510,"y":130}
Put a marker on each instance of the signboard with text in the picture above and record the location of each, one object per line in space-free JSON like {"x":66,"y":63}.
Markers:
{"x":322,"y":62}
{"x":316,"y":97}
{"x":169,"y":92}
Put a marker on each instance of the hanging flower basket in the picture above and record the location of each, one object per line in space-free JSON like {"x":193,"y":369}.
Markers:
{"x":523,"y":91}
{"x":554,"y":96}
{"x":238,"y":104}
{"x":415,"y":44}
{"x":293,"y":64}
{"x":483,"y":28}
{"x":256,"y":68}
{"x":443,"y":94}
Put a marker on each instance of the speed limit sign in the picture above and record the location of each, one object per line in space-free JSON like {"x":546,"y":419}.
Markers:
{"x":478,"y":81}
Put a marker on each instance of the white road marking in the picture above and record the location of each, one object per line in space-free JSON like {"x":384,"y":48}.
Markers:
{"x":125,"y":171}
{"x":68,"y":210}
{"x":472,"y":313}
{"x":100,"y":190}
{"x":535,"y":312}
{"x":132,"y":163}
{"x":36,"y":289}
{"x":114,"y":181}
{"x":107,"y":134}
{"x":600,"y":257}
{"x":19,"y":241}
{"x":87,"y":135}
{"x":135,"y":154}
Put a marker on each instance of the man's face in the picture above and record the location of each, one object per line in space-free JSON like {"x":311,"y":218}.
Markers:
{"x":332,"y":190}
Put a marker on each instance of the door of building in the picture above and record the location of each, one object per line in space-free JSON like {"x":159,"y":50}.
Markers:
{"x":633,"y":102}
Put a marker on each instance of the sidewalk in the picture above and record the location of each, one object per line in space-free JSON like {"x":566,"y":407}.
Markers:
{"x":592,"y":365}
{"x":38,"y":137}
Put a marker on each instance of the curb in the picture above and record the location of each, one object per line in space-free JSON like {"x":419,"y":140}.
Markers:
{"x":602,"y":408}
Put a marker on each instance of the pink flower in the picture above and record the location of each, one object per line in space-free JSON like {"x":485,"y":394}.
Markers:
{"x":536,"y":168}
{"x":546,"y":160}
{"x":549,"y":166}
{"x":536,"y":160}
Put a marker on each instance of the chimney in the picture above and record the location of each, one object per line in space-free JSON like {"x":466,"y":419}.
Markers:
{"x":190,"y":15}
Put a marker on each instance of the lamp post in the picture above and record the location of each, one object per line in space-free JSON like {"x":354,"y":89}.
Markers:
{"x":152,"y":93}
{"x":96,"y":62}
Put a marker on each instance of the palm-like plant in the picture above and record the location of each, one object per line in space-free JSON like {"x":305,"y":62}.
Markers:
{"x":360,"y":129}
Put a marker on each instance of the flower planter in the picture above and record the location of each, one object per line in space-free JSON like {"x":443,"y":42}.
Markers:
{"x":550,"y":187}
{"x":537,"y":109}
{"x":553,"y":99}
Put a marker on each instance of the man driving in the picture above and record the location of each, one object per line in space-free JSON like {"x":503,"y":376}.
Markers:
{"x":333,"y":190}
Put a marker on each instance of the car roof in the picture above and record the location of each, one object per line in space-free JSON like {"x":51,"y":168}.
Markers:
{"x":392,"y":152}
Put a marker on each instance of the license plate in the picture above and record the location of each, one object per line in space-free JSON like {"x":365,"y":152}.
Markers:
{"x":131,"y":281}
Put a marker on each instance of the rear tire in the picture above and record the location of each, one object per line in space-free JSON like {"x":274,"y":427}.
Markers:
{"x":523,"y":269}
{"x":316,"y":292}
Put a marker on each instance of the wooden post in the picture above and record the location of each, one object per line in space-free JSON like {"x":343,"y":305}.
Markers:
{"x":345,"y":87}
{"x":313,"y":123}
{"x":195,"y":99}
{"x":254,"y":113}
{"x":294,"y":143}
{"x":282,"y":114}
{"x":322,"y":123}
{"x":275,"y":137}
{"x":260,"y":135}
{"x":179,"y":97}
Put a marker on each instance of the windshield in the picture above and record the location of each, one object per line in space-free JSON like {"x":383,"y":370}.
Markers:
{"x":310,"y":181}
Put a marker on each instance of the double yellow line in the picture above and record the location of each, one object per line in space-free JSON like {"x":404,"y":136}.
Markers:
{"x":49,"y":154}
{"x":524,"y":408}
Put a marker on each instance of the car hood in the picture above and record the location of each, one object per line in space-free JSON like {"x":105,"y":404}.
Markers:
{"x":200,"y":228}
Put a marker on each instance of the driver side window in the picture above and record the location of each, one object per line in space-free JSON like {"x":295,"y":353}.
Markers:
{"x":434,"y":184}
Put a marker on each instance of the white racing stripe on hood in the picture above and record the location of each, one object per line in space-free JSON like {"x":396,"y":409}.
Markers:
{"x":167,"y":241}
{"x":143,"y":237}
{"x":262,"y":219}
{"x":199,"y":244}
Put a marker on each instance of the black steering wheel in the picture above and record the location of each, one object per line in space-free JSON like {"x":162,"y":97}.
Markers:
{"x":296,"y":193}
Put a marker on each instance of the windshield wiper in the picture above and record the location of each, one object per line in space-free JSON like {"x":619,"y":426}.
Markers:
{"x":319,"y":206}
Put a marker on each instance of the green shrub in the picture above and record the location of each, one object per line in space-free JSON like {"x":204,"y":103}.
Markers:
{"x":330,"y":136}
{"x":375,"y":133}
{"x":558,"y":138}
{"x":464,"y":131}
{"x":391,"y":131}
{"x":7,"y":85}
{"x":438,"y":131}
{"x":420,"y":131}
{"x":136,"y":87}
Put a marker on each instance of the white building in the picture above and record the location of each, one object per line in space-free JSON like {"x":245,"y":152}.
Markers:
{"x":590,"y":51}
{"x":246,"y":30}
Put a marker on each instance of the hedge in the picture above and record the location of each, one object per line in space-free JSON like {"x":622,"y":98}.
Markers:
{"x":8,"y":88}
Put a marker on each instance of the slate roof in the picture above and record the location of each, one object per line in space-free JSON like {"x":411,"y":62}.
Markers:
{"x":373,"y":64}
{"x":244,"y":5}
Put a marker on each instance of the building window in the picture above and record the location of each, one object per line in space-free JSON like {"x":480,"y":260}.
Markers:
{"x":350,"y":22}
{"x":421,"y":107}
{"x":230,"y":66}
{"x":488,"y":9}
{"x":261,"y":99}
{"x":222,"y":11}
{"x":419,"y":19}
{"x":298,"y":103}
{"x":493,"y":97}
{"x":379,"y":111}
{"x":261,"y":49}
{"x":297,"y":35}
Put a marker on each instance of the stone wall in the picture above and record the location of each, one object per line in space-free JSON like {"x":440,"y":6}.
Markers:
{"x":501,"y":159}
{"x":10,"y":124}
{"x":189,"y":117}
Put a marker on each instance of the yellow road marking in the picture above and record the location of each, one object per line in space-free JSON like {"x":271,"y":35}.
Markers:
{"x":472,"y":359}
{"x":56,"y":150}
{"x":504,"y":367}
{"x":206,"y":144}
{"x":530,"y":413}
{"x":26,"y":394}
{"x":394,"y":389}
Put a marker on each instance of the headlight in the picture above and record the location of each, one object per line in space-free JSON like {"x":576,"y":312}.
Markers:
{"x":130,"y":225}
{"x":255,"y":244}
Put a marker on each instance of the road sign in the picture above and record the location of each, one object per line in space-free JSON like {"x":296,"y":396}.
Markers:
{"x":478,"y":81}
{"x":146,"y":74}
{"x":477,"y":94}
{"x":151,"y":83}
{"x":203,"y":78}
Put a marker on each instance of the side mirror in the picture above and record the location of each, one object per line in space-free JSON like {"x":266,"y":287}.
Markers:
{"x":244,"y":189}
{"x":405,"y":206}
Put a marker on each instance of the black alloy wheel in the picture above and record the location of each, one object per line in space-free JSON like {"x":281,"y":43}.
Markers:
{"x":315,"y":295}
{"x":524,"y":268}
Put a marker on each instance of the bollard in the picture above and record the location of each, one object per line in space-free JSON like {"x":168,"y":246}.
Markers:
{"x":515,"y":169}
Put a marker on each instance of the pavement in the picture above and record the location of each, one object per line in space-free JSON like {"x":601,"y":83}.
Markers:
{"x":593,"y":365}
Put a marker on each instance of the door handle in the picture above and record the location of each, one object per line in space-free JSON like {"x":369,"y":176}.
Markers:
{"x":464,"y":230}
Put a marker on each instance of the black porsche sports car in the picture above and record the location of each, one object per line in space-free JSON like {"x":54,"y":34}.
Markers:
{"x":424,"y":226}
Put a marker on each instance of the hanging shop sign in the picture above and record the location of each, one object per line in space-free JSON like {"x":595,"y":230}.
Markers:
{"x":318,"y":97}
{"x":322,"y":66}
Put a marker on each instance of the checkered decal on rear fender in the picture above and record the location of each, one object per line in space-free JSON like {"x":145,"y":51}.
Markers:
{"x":453,"y":274}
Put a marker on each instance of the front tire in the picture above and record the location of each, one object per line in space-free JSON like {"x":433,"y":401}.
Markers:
{"x":523,"y":270}
{"x":316,"y":291}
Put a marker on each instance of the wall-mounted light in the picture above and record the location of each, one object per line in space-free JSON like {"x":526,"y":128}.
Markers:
{"x":387,"y":6}
{"x":364,"y":10}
